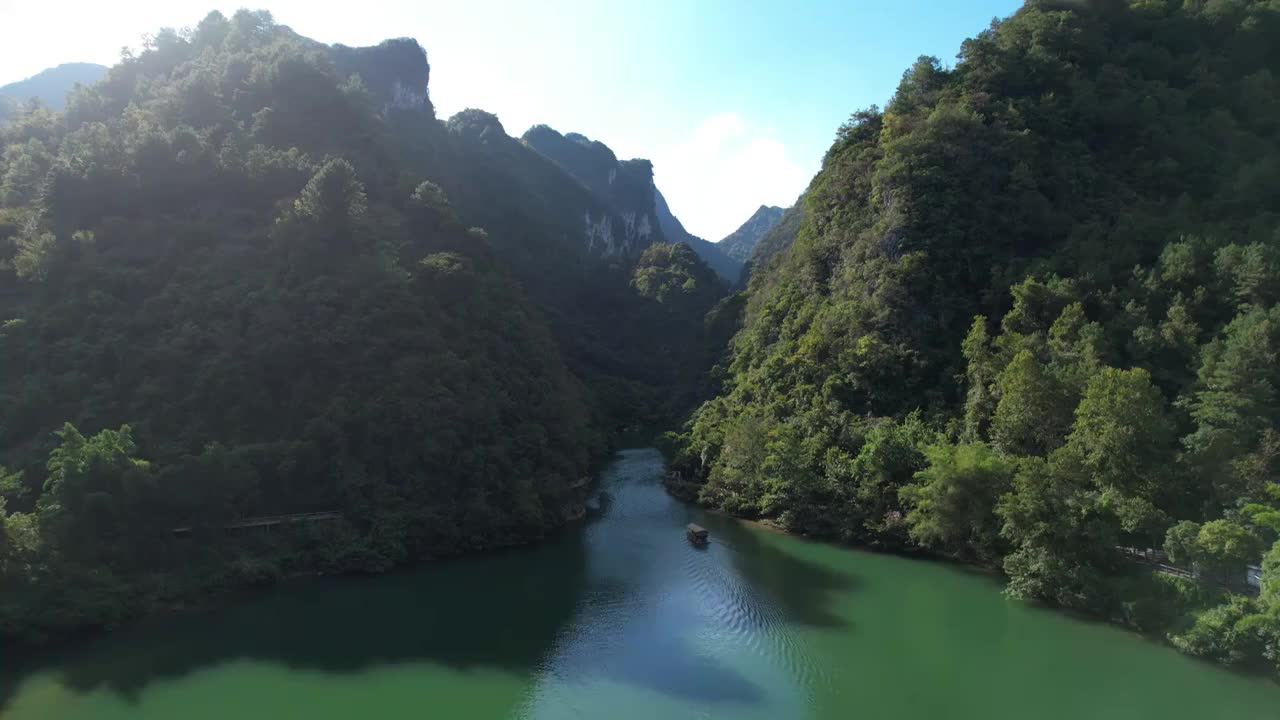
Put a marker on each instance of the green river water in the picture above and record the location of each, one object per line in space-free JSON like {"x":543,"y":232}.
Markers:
{"x":622,"y":618}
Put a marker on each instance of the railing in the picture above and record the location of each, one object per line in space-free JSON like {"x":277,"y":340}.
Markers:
{"x":270,"y":521}
{"x":1159,"y":562}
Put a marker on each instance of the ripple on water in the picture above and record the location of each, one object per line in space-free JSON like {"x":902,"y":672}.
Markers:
{"x":739,"y":619}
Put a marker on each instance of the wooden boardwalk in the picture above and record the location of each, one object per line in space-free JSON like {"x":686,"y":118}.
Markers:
{"x":267,"y":521}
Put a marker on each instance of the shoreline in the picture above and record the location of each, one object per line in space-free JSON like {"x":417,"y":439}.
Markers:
{"x":210,"y":599}
{"x":1159,"y":638}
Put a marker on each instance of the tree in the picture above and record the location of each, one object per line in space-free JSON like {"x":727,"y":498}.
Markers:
{"x":87,"y":509}
{"x":1181,"y":542}
{"x":951,"y":504}
{"x":333,"y":197}
{"x":1252,"y":272}
{"x":1236,"y":395}
{"x":1062,"y":537}
{"x":1122,"y":432}
{"x":1271,"y":578}
{"x":980,"y":402}
{"x":1034,"y":410}
{"x":1224,"y":548}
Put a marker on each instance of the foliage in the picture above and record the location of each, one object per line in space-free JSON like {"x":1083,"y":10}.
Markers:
{"x":232,"y":265}
{"x":1060,"y":258}
{"x":952,"y":501}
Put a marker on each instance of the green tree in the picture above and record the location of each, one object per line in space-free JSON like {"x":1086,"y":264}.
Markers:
{"x":94,"y":485}
{"x":951,"y":504}
{"x":1223,"y":548}
{"x":1034,"y":410}
{"x":1122,"y":432}
{"x":1235,"y":399}
{"x":333,"y":197}
{"x":980,"y":402}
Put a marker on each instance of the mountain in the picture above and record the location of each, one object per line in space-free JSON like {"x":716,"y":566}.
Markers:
{"x":653,"y":372}
{"x":1028,"y":316}
{"x":776,"y":240}
{"x":625,"y":185}
{"x":741,"y":242}
{"x":628,"y":187}
{"x":726,"y":267}
{"x":249,"y":274}
{"x":51,"y":86}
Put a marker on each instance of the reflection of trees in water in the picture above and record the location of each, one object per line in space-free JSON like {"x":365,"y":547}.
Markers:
{"x":805,"y":592}
{"x":501,"y":610}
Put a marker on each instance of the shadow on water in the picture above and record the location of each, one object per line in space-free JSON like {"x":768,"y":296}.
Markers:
{"x":805,"y":591}
{"x":503,"y":610}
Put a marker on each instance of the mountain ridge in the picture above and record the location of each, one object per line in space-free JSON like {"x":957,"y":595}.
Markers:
{"x":628,"y":185}
{"x":51,"y":85}
{"x":740,"y":243}
{"x":726,"y":267}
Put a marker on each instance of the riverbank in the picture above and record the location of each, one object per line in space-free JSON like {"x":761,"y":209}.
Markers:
{"x":621,"y":617}
{"x":233,"y":569}
{"x":1162,"y":606}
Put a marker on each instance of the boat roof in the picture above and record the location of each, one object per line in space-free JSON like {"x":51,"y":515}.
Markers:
{"x":698,"y":529}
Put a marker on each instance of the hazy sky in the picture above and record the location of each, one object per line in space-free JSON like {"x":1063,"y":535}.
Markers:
{"x":734,"y":101}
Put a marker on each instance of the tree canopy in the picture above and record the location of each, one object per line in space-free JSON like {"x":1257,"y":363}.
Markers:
{"x":1025,"y":315}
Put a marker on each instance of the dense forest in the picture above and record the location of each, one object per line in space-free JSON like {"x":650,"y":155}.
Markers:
{"x":1026,"y":316}
{"x":249,"y":275}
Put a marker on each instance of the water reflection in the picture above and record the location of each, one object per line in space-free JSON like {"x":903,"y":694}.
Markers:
{"x":610,"y":599}
{"x":620,"y":617}
{"x":503,"y":610}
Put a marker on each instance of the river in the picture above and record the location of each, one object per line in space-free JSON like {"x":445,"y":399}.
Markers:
{"x":622,"y":618}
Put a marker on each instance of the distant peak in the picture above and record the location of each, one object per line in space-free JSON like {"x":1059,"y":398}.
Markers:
{"x":740,"y":243}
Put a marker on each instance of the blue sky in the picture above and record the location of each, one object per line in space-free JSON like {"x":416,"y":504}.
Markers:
{"x":735,"y":101}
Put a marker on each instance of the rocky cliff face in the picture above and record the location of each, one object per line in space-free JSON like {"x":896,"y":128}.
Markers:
{"x":395,"y":72}
{"x":739,"y":244}
{"x":626,"y":186}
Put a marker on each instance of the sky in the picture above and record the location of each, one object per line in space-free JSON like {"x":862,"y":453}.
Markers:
{"x":734,"y":101}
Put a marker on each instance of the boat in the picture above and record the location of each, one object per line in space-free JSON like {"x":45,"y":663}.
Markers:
{"x":696,"y":534}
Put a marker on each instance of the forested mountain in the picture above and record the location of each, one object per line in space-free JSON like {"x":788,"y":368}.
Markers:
{"x":741,"y":242}
{"x":1029,"y":316}
{"x":573,"y":251}
{"x":51,"y":86}
{"x":248,"y":274}
{"x":726,"y":267}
